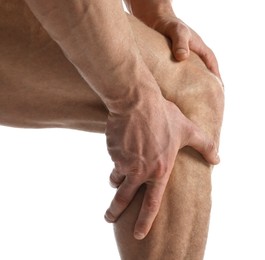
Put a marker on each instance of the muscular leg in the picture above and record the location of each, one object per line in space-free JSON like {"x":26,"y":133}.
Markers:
{"x":40,"y":88}
{"x":180,"y":230}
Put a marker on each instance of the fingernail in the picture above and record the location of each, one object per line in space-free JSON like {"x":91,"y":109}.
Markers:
{"x":139,"y":235}
{"x":181,"y":51}
{"x":113,"y":185}
{"x":181,"y":54}
{"x":109,"y":218}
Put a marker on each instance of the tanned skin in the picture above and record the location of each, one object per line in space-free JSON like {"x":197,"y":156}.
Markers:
{"x":41,"y":88}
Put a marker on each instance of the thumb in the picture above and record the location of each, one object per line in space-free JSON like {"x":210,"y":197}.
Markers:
{"x":180,"y":43}
{"x":204,"y":145}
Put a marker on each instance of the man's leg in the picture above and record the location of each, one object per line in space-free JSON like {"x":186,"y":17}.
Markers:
{"x":40,"y":88}
{"x":181,"y":227}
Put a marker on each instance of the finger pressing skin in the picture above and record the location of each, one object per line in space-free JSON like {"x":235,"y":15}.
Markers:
{"x":122,"y":199}
{"x":200,"y":142}
{"x":211,"y":62}
{"x":180,"y":36}
{"x":116,"y":178}
{"x":149,"y":210}
{"x":206,"y":54}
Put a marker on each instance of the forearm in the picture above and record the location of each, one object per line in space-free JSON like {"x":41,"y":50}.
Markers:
{"x":97,"y":44}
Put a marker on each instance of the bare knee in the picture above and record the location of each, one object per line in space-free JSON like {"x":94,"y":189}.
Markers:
{"x":200,"y":96}
{"x":181,"y":227}
{"x":188,"y":84}
{"x":206,"y":103}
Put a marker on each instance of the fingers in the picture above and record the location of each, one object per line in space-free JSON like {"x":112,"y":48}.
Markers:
{"x":200,"y":142}
{"x":205,"y":53}
{"x":180,"y":36}
{"x":150,"y":206}
{"x":149,"y":210}
{"x":116,"y":178}
{"x":185,"y":39}
{"x":122,"y":199}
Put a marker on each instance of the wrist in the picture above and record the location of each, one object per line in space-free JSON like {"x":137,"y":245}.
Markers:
{"x":137,"y":97}
{"x":151,"y":11}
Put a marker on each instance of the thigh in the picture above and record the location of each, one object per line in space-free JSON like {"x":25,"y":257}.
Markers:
{"x":41,"y":88}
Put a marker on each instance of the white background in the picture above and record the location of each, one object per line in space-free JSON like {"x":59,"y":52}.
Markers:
{"x":54,"y":183}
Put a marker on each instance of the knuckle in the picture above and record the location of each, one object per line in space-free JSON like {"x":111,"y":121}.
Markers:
{"x":121,"y":200}
{"x":152,"y":205}
{"x":163,"y":164}
{"x":209,"y":55}
{"x":162,"y":169}
{"x":173,"y":27}
{"x":181,"y":31}
{"x":135,"y":178}
{"x":182,"y":28}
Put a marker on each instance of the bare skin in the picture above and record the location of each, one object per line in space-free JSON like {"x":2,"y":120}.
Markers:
{"x":159,"y":15}
{"x":142,"y":139}
{"x":37,"y":91}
